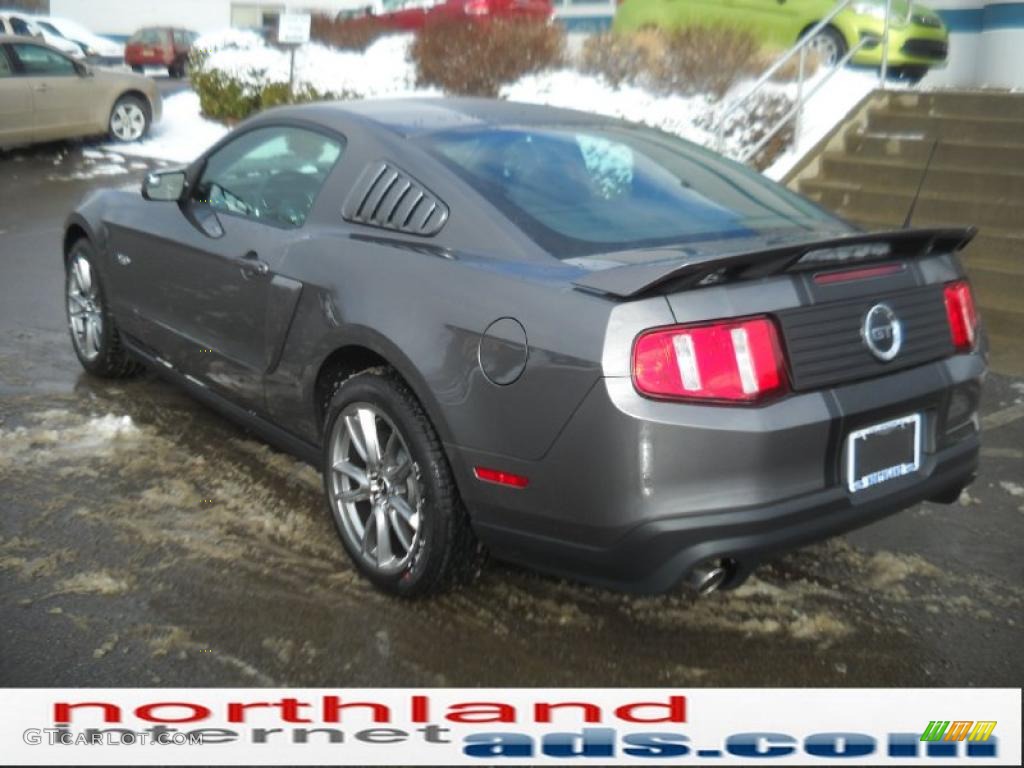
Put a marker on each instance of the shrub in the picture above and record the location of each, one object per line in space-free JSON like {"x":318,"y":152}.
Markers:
{"x":478,"y":58}
{"x":229,"y":99}
{"x":707,"y":59}
{"x":698,"y":59}
{"x":747,"y":126}
{"x":622,"y":58}
{"x":355,"y":34}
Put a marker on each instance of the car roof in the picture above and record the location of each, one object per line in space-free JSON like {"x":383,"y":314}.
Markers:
{"x":420,"y":116}
{"x":20,"y":39}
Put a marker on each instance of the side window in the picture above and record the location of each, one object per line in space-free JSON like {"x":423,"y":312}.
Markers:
{"x":271,"y":174}
{"x":38,"y":61}
{"x":19,"y":27}
{"x":179,"y":38}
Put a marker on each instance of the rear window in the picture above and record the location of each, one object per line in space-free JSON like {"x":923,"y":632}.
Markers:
{"x":149,"y":37}
{"x":580,"y":191}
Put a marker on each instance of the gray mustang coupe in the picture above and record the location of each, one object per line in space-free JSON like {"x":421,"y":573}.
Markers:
{"x":578,"y":343}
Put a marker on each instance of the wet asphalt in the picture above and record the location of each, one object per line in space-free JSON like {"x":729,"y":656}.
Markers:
{"x":144,"y":540}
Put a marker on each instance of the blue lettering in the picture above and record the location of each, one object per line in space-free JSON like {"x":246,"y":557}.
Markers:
{"x":839,"y":745}
{"x":760,"y":745}
{"x":655,"y":745}
{"x":498,"y":745}
{"x":590,"y":742}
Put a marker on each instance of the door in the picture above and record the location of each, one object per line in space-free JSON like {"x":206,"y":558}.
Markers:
{"x":205,"y":286}
{"x":63,"y":101}
{"x":780,"y":22}
{"x":15,"y":104}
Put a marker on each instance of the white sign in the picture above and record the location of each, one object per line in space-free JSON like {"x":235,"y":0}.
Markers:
{"x":293,"y":28}
{"x":513,"y":726}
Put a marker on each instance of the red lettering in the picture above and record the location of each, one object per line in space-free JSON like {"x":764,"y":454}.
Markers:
{"x":420,"y":709}
{"x":481,"y":712}
{"x":333,"y":707}
{"x":199,"y":712}
{"x":62,"y":711}
{"x":591,"y":712}
{"x":676,"y":711}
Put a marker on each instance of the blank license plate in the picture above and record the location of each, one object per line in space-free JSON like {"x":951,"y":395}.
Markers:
{"x":883,"y":452}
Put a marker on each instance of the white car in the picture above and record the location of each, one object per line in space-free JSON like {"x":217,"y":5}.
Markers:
{"x":98,"y":50}
{"x":24,"y":26}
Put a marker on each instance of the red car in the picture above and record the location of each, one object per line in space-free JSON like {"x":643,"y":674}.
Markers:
{"x":414,"y":14}
{"x":160,"y":47}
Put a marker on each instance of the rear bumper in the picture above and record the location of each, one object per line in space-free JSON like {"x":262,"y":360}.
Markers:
{"x":635,"y":493}
{"x":655,"y":557}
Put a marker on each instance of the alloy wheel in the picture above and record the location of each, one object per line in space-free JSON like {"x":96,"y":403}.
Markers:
{"x":374,"y":490}
{"x":128,"y":121}
{"x":826,"y":48}
{"x":85,"y":309}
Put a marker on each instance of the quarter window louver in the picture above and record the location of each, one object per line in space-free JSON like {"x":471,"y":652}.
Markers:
{"x":389,"y":198}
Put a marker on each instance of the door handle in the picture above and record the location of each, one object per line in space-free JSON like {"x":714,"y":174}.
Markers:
{"x":251,"y":264}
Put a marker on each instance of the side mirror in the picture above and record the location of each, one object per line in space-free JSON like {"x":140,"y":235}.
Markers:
{"x":164,"y":186}
{"x":83,"y":69}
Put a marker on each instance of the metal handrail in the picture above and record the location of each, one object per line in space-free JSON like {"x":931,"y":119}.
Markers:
{"x":800,"y":49}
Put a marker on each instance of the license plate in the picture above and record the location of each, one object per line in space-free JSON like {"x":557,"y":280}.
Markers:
{"x":147,"y":52}
{"x":883,"y":452}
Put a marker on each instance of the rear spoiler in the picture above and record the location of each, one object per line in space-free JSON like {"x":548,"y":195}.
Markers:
{"x":684,"y":268}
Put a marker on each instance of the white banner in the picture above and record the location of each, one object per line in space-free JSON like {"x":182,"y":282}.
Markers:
{"x":519,"y":726}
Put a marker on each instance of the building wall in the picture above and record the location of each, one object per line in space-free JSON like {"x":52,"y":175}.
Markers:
{"x":986,"y":44}
{"x":120,"y":18}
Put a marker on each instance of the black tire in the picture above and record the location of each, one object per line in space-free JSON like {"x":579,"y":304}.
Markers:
{"x":139,"y":130}
{"x":445,"y":551}
{"x":831,"y":44}
{"x":138,"y":70}
{"x":177,"y":69}
{"x":111,"y":360}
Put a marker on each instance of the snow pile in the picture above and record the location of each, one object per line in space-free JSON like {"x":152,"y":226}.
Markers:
{"x":241,"y":39}
{"x":822,"y":112}
{"x":681,"y":115}
{"x":181,"y":136}
{"x":385,"y":70}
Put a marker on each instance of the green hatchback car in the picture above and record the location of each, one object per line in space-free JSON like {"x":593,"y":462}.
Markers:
{"x":918,"y":40}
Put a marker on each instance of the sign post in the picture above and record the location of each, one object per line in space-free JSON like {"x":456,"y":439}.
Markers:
{"x":293,"y":30}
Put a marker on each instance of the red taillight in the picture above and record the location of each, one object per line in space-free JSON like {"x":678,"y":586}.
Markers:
{"x":501,"y":478}
{"x":477,"y":7}
{"x":730,"y":361}
{"x":963,"y":318}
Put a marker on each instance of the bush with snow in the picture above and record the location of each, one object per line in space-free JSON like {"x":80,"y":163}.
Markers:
{"x":237,"y":73}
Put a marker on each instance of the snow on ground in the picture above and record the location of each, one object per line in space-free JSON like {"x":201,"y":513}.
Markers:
{"x":822,"y":112}
{"x":180,"y":137}
{"x":573,"y":90}
{"x":384,"y":70}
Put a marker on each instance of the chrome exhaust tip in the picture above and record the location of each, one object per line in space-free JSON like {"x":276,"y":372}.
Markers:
{"x":709,"y":576}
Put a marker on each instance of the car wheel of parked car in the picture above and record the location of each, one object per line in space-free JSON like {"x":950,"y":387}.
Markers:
{"x":390,"y":488}
{"x":94,"y":334}
{"x":138,"y":70}
{"x":829,"y":45}
{"x":129,"y":119}
{"x":177,"y":69}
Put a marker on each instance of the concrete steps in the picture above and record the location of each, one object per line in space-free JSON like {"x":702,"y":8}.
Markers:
{"x":871,"y":173}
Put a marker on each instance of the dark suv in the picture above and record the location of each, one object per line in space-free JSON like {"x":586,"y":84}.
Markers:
{"x":160,"y":47}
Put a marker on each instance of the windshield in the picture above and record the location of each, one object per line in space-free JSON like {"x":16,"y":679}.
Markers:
{"x":580,"y":191}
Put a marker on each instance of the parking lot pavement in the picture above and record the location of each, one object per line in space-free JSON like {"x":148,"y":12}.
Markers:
{"x":146,"y":541}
